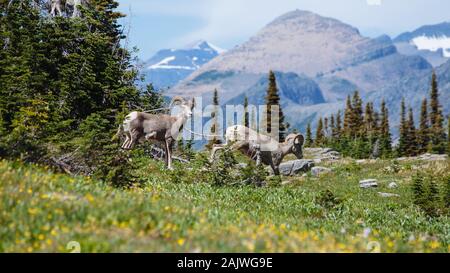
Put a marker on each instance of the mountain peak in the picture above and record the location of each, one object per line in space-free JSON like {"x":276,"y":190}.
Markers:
{"x":204,"y":45}
{"x":311,"y":20}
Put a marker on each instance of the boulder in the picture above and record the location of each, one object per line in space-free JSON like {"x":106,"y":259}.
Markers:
{"x":321,"y":154}
{"x":317,"y":171}
{"x":392,"y":185}
{"x":368,"y":183}
{"x":387,"y":195}
{"x":296,"y":166}
{"x":425,"y":157}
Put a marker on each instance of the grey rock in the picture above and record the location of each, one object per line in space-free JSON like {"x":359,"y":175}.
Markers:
{"x":368,"y":183}
{"x":296,"y":166}
{"x":323,"y":154}
{"x":425,"y":157}
{"x":387,"y":195}
{"x":392,"y":185}
{"x":317,"y":171}
{"x":242,"y":165}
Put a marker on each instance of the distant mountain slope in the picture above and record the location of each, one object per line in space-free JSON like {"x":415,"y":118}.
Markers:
{"x":431,"y":42}
{"x":310,"y":53}
{"x":169,"y":66}
{"x":293,"y":89}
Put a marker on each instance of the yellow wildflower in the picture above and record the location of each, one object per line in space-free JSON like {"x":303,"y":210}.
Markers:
{"x":180,"y":241}
{"x":89,"y":197}
{"x":434,"y":244}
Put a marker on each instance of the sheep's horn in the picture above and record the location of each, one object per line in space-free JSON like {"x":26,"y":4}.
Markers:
{"x":176,"y":99}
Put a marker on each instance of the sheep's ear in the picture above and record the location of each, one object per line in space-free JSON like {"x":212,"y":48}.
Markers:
{"x":299,"y":139}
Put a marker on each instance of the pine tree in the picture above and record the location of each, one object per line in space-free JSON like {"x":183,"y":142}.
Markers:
{"x":70,"y":83}
{"x":320,"y":138}
{"x":386,"y":140}
{"x":403,"y":141}
{"x":338,"y":132}
{"x":376,"y":122}
{"x":437,"y":131}
{"x":215,"y":126}
{"x":369,"y":120}
{"x":423,"y":133}
{"x":358,"y":118}
{"x":411,"y":144}
{"x":309,"y":141}
{"x":448,"y":135}
{"x":332,"y":129}
{"x":325,"y":127}
{"x":246,"y":113}
{"x":348,"y":117}
{"x":418,"y":188}
{"x":273,"y":99}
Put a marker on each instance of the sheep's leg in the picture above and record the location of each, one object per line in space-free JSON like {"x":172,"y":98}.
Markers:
{"x":276,"y":169}
{"x":125,"y":143}
{"x":168,"y":154}
{"x":133,"y":138}
{"x":53,"y":10}
{"x":150,"y":136}
{"x":258,"y":155}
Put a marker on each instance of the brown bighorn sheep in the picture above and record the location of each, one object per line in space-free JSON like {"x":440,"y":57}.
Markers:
{"x":266,"y":149}
{"x":140,"y":127}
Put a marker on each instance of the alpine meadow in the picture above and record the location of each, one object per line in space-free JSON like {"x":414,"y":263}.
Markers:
{"x":307,"y":137}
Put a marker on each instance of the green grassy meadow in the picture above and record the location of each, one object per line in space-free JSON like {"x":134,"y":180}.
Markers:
{"x":42,"y":211}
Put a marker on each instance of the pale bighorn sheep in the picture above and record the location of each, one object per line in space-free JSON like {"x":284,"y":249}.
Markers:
{"x":56,"y":6}
{"x":264,"y":148}
{"x":141,"y":127}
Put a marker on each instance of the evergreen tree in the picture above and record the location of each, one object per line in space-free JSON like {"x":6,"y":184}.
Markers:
{"x":448,"y":135}
{"x":338,"y":132}
{"x":273,"y":99}
{"x":332,"y":129}
{"x":348,"y":117}
{"x":215,"y":127}
{"x":309,"y":141}
{"x":65,"y":85}
{"x":246,"y":113}
{"x":403,"y":141}
{"x":411,"y":144}
{"x":369,"y":119}
{"x":386,"y":140}
{"x":358,"y":118}
{"x":376,"y":124}
{"x":437,"y":131}
{"x":423,"y":137}
{"x":320,"y":137}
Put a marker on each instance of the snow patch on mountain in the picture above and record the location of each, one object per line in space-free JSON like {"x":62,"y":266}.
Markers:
{"x":165,"y":64}
{"x":205,"y":45}
{"x":433,"y":44}
{"x":169,"y":66}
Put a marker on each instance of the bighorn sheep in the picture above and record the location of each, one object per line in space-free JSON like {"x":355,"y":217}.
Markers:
{"x":266,"y":149}
{"x":140,"y":127}
{"x":56,"y":6}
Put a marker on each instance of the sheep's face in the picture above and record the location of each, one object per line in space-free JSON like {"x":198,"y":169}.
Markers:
{"x":187,"y":111}
{"x":296,"y":140}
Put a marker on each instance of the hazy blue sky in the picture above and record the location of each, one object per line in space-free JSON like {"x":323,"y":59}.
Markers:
{"x":157,"y":24}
